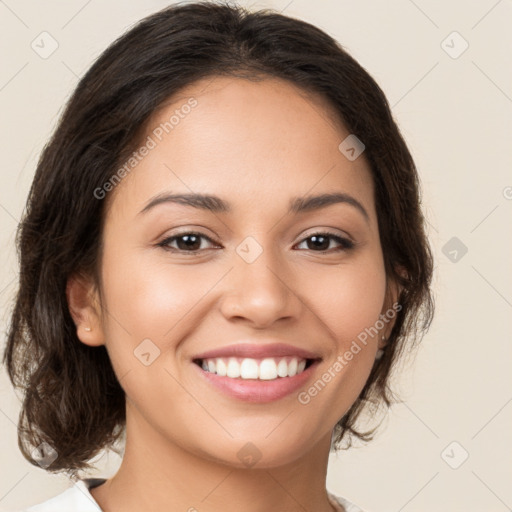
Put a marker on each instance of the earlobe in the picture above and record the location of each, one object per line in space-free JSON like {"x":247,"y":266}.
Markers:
{"x":84,"y":308}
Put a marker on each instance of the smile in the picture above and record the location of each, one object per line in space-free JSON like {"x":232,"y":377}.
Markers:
{"x":254,"y":372}
{"x":269,"y":368}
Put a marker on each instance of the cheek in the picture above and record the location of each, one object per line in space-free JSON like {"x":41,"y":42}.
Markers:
{"x":348,"y":300}
{"x":348,"y":304}
{"x":153,"y":301}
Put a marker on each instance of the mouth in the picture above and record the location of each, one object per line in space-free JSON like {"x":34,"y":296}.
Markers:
{"x":256,"y":373}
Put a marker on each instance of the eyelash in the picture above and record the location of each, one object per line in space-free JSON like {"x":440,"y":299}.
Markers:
{"x":345,"y":243}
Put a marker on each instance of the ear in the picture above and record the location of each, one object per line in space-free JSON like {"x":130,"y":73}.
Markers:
{"x":391,"y":306}
{"x":85,"y":309}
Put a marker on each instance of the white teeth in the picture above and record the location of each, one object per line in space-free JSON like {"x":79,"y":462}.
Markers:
{"x":282,"y":368}
{"x":221,"y":367}
{"x":268,"y":369}
{"x":247,"y":368}
{"x":233,"y":368}
{"x":292,"y":368}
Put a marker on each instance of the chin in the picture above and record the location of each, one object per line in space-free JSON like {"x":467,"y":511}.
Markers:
{"x":257,"y":452}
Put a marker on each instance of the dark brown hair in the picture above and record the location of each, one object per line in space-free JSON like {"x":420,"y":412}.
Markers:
{"x":72,"y":399}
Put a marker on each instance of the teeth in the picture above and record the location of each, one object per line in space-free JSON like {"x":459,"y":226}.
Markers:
{"x":292,"y":368}
{"x":221,"y":367}
{"x":247,"y":368}
{"x":268,"y":369}
{"x":282,"y":368}
{"x":233,"y":368}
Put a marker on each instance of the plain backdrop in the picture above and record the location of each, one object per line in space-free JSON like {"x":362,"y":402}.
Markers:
{"x":446,"y":70}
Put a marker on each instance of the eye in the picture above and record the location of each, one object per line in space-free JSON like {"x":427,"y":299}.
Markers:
{"x":321,"y":241}
{"x":186,"y":242}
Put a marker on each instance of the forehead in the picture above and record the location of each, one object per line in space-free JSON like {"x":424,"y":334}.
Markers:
{"x":255,"y":142}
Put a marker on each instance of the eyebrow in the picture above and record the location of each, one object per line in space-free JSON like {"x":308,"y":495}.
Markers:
{"x":217,"y":205}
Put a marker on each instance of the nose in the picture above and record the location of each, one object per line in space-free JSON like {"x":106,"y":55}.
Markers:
{"x":261,"y":292}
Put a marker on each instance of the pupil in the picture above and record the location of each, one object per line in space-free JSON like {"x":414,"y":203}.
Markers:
{"x":190,"y":241}
{"x":324,"y":239}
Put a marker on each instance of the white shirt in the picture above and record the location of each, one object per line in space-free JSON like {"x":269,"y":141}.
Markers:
{"x":78,"y":499}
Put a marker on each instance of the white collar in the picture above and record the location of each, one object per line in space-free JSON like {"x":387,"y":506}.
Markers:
{"x":76,"y":498}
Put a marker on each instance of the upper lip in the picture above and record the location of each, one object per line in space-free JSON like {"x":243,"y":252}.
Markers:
{"x":257,"y":351}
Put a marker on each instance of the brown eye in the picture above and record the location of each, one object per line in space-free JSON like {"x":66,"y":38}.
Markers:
{"x":185,"y":242}
{"x":320,"y":242}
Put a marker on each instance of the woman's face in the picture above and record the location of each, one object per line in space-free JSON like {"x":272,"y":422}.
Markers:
{"x":247,"y":277}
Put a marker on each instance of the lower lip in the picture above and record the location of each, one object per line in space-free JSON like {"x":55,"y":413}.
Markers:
{"x":259,"y":391}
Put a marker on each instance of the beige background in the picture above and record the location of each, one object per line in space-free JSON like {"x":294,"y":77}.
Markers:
{"x":456,"y":114}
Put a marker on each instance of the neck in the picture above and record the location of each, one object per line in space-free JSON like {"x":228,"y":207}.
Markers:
{"x":159,"y":475}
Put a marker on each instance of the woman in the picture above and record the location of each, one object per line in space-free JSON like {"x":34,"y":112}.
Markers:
{"x":222,"y":258}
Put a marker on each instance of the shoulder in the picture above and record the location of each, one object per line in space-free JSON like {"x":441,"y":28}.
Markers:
{"x":76,"y":498}
{"x":346,"y":505}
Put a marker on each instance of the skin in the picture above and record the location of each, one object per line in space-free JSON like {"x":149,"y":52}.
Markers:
{"x":256,"y":145}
